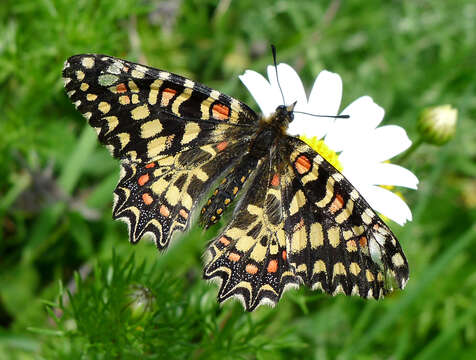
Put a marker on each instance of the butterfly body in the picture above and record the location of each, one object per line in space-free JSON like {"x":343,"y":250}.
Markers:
{"x":297,"y":221}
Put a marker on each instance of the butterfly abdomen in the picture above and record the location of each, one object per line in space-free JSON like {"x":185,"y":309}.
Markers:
{"x":228,"y":189}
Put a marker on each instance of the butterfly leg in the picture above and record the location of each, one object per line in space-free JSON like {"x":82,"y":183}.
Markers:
{"x":228,"y":189}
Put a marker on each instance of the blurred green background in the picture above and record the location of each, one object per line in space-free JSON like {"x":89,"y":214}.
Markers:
{"x":56,"y":182}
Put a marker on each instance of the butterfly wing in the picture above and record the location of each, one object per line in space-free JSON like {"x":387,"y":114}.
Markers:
{"x":141,"y":113}
{"x":301,"y":221}
{"x":174,"y":137}
{"x":341,"y":245}
{"x":249,"y":256}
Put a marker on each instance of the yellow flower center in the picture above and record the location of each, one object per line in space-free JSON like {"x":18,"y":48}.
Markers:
{"x":322,"y":149}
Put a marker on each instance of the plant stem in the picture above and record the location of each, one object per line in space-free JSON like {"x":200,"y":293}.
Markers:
{"x":416,"y":144}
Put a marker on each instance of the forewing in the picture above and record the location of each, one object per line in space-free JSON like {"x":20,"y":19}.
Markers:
{"x":336,"y":242}
{"x":249,"y":256}
{"x":142,"y":113}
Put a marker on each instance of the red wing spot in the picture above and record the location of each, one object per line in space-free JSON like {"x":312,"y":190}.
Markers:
{"x":234,"y":257}
{"x":183,"y":214}
{"x":167,"y":94}
{"x":220,"y":111}
{"x":275,"y":180}
{"x":284,"y":255}
{"x":302,"y":164}
{"x":121,"y":88}
{"x":164,"y":211}
{"x":143,"y":179}
{"x":363,"y":241}
{"x":150,"y":165}
{"x":147,"y":199}
{"x":224,"y":241}
{"x":170,"y":91}
{"x":272,"y":266}
{"x":222,"y":146}
{"x":337,"y":204}
{"x":251,"y":269}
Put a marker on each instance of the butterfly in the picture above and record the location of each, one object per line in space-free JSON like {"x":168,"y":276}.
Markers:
{"x":296,"y":219}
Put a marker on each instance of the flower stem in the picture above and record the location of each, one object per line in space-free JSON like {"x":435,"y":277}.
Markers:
{"x":416,"y":144}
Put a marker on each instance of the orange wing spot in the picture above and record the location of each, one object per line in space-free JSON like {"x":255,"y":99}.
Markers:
{"x":164,"y":211}
{"x":234,"y":257}
{"x":121,"y":88}
{"x":124,"y":100}
{"x":272,"y":266}
{"x":235,"y":190}
{"x":143,"y":179}
{"x":183,"y":214}
{"x":147,"y":199}
{"x":337,"y":204}
{"x":351,"y":246}
{"x":167,"y":94}
{"x":302,"y":164}
{"x":222,"y":146}
{"x":150,"y":165}
{"x":227,"y":201}
{"x":284,"y":255}
{"x":363,"y":241}
{"x":224,"y":241}
{"x":203,"y":210}
{"x":251,"y":269}
{"x":220,"y":111}
{"x":219,"y":211}
{"x":275,"y":180}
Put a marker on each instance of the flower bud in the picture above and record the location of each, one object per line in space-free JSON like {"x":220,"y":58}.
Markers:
{"x":437,"y":125}
{"x":140,"y":301}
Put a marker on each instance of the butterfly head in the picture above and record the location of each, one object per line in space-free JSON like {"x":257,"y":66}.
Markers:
{"x":284,"y":114}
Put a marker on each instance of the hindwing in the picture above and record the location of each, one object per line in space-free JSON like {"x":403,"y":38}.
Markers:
{"x":249,"y":257}
{"x":302,"y":222}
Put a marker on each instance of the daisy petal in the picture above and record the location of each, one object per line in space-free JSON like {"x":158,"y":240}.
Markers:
{"x":291,"y":85}
{"x":364,"y":114}
{"x":262,"y":91}
{"x":386,"y":203}
{"x":325,"y":99}
{"x":391,"y":174}
{"x":385,"y":142}
{"x":326,"y":94}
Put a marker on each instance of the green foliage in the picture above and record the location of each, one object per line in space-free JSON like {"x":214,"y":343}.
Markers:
{"x":56,"y":188}
{"x":100,"y":319}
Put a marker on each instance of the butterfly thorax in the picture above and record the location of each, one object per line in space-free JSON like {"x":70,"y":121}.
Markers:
{"x":271,"y":130}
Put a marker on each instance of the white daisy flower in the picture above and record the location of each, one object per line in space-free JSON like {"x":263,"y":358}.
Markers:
{"x":355,"y":146}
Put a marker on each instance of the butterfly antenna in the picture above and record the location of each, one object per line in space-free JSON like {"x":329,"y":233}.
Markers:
{"x":273,"y":50}
{"x":326,"y":116}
